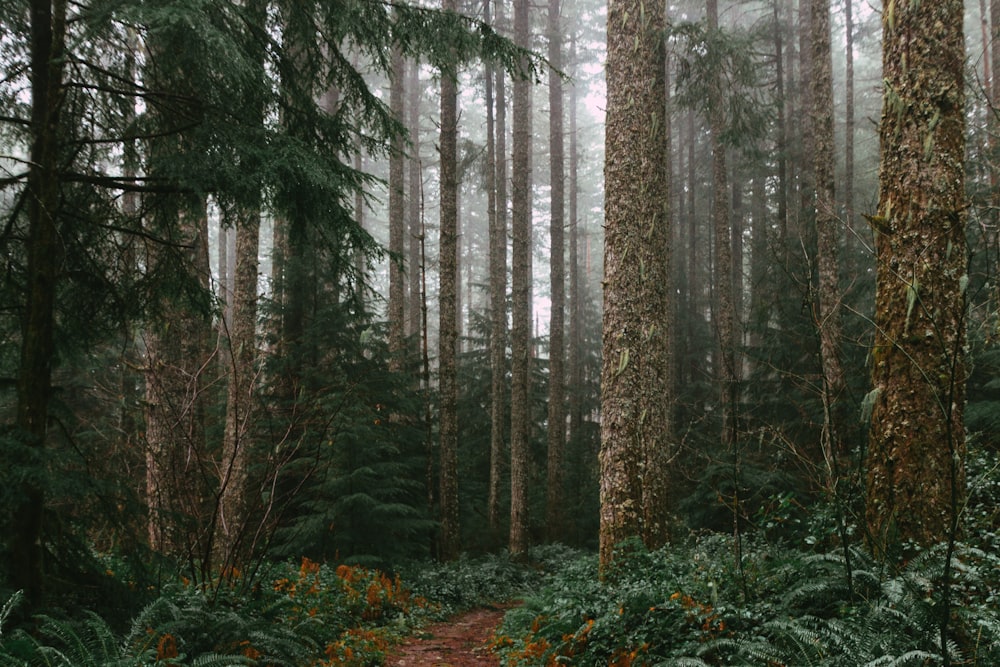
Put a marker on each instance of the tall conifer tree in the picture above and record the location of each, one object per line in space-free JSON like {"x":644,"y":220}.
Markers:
{"x":635,"y":449}
{"x":916,"y":447}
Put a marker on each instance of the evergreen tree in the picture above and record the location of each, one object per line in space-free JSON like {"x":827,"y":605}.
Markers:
{"x":916,"y":449}
{"x":521,"y":208}
{"x":555,"y":484}
{"x":635,"y":446}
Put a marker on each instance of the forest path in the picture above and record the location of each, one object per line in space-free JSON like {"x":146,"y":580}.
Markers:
{"x":461,"y":641}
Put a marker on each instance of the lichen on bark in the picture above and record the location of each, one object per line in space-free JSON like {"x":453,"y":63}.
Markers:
{"x":917,"y":442}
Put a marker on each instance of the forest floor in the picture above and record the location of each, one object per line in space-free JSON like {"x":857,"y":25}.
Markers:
{"x":461,"y":641}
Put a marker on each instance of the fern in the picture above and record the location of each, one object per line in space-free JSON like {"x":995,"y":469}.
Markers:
{"x":8,"y":608}
{"x":91,"y":643}
{"x":908,"y":658}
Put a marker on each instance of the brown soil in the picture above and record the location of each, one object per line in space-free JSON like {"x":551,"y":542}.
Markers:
{"x":462,"y":641}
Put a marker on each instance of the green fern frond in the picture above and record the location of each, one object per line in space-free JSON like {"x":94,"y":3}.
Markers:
{"x":8,"y":608}
{"x":217,"y":660}
{"x":682,"y":662}
{"x":908,"y":658}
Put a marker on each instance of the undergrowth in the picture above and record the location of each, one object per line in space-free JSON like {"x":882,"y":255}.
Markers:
{"x":298,"y":614}
{"x":691,"y":606}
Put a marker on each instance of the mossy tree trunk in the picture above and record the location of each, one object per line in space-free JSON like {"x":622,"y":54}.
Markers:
{"x":916,"y":449}
{"x":635,"y":448}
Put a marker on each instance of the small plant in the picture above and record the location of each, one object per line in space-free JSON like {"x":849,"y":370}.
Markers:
{"x":688,"y":605}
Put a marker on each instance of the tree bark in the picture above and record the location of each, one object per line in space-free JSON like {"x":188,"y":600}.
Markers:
{"x":448,"y":338}
{"x":34,"y":380}
{"x":555,"y":518}
{"x":498,"y":291}
{"x":827,"y":319}
{"x":520,"y":294}
{"x":916,"y":446}
{"x":849,"y":128}
{"x":725,"y":314}
{"x":635,"y":450}
{"x":237,"y":440}
{"x":397,"y":217}
{"x":575,"y":348}
{"x":414,"y":205}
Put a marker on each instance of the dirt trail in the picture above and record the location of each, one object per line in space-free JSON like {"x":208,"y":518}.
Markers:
{"x":462,"y":641}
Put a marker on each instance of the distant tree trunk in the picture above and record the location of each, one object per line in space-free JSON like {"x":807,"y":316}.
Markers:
{"x":695,"y":303}
{"x":448,"y":338}
{"x":984,"y":23}
{"x":723,"y":269}
{"x":784,"y":111}
{"x":916,"y":449}
{"x":234,"y":494}
{"x":415,"y":195}
{"x":498,"y":292}
{"x":555,"y":517}
{"x":397,"y":216}
{"x":760,"y":256}
{"x":224,"y":295}
{"x":520,"y":295}
{"x":993,"y":125}
{"x":828,"y":303}
{"x":574,"y":360}
{"x":635,"y":450}
{"x":736,"y":252}
{"x":849,"y":128}
{"x":34,"y":380}
{"x":804,"y":231}
{"x":237,"y":440}
{"x":178,"y":473}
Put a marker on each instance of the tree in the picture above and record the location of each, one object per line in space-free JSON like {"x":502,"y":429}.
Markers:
{"x":241,"y":395}
{"x":397,"y":214}
{"x":724,"y":318}
{"x":827,"y":236}
{"x":915,"y":458}
{"x":448,"y":300}
{"x":497,"y":211}
{"x":635,"y":447}
{"x":520,"y":294}
{"x":48,"y":33}
{"x":555,"y":500}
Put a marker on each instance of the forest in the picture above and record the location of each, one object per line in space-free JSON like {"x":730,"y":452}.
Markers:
{"x":669,"y":331}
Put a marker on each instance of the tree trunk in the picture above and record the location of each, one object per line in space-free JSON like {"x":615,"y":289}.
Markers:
{"x":448,"y":339}
{"x":498,"y":289}
{"x":414,"y":209}
{"x":237,"y":440}
{"x":575,"y":356}
{"x":178,"y":471}
{"x":520,"y":295}
{"x":849,"y":130}
{"x":916,"y":448}
{"x":34,"y":380}
{"x":695,"y":302}
{"x":555,"y":517}
{"x":234,"y":495}
{"x":827,"y":318}
{"x":635,"y":450}
{"x":723,"y":265}
{"x":397,"y":217}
